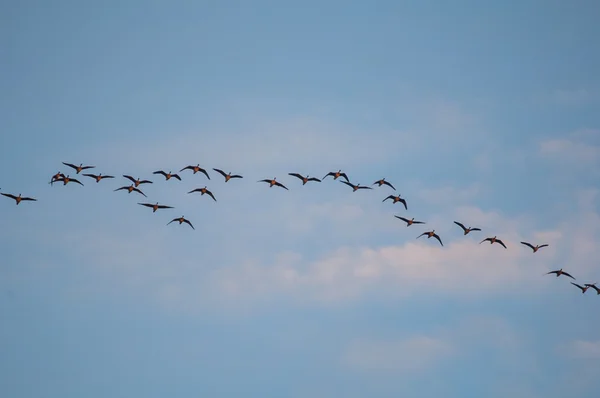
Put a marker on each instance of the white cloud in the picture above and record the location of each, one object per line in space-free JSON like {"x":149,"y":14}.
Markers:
{"x":578,"y":149}
{"x":409,"y":355}
{"x":581,"y":349}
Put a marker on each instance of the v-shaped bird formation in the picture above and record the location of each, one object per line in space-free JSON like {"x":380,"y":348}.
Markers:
{"x":135,"y":183}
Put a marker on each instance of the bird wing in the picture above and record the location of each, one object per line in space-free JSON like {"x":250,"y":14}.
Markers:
{"x":460,"y":225}
{"x":389,"y":185}
{"x":528,"y":245}
{"x":347,"y":183}
{"x":296,"y":175}
{"x":281,"y":185}
{"x":364,"y":187}
{"x":403,"y":219}
{"x":418,"y":222}
{"x":107,"y":177}
{"x":552,"y":272}
{"x":70,"y":165}
{"x":314,"y":179}
{"x":130,"y":178}
{"x":88,"y":167}
{"x":173,"y":220}
{"x":403,"y":202}
{"x":137,"y":190}
{"x":502,"y":243}
{"x":146,"y":204}
{"x":569,"y":275}
{"x":164,"y":207}
{"x":438,"y":238}
{"x":160,"y":172}
{"x":345,"y":176}
{"x":118,"y":189}
{"x":145,"y":182}
{"x":28,"y":198}
{"x":211,"y":195}
{"x":475,"y":229}
{"x":90,"y":175}
{"x":486,"y":239}
{"x":575,"y":284}
{"x":204,"y":172}
{"x":389,"y":197}
{"x":544,"y":245}
{"x":189,"y":223}
{"x":9,"y":196}
{"x":187,"y":168}
{"x":196,"y":190}
{"x":269,"y":181}
{"x":424,"y":233}
{"x":74,"y":180}
{"x":220,"y":172}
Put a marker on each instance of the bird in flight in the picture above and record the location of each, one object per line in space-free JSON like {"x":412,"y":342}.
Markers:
{"x":593,"y":286}
{"x":583,"y":289}
{"x":227,"y":176}
{"x":196,"y":169}
{"x":384,"y":182}
{"x":98,"y":177}
{"x":274,"y":182}
{"x":68,"y":179}
{"x":559,"y":273}
{"x":168,"y":175}
{"x":409,"y":222}
{"x":181,"y":220}
{"x":355,"y":187}
{"x":18,"y":199}
{"x":130,"y":189}
{"x":304,"y":179}
{"x":204,"y":191}
{"x":79,"y":168}
{"x":155,"y":206}
{"x":431,"y":234}
{"x":396,"y":199}
{"x":493,"y":240}
{"x":56,"y":176}
{"x":336,"y":175}
{"x":534,"y":248}
{"x":137,"y":182}
{"x":465,"y":229}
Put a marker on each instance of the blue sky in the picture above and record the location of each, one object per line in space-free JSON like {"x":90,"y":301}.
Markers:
{"x":483,"y":113}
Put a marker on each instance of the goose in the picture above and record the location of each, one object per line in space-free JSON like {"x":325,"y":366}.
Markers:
{"x":196,"y":169}
{"x":336,"y":175}
{"x":155,"y":207}
{"x":559,"y":273}
{"x":79,"y":168}
{"x":274,"y":182}
{"x":534,"y":248}
{"x":130,"y":189}
{"x":136,"y":181}
{"x":493,"y":240}
{"x":409,"y":222}
{"x":227,"y":176}
{"x":181,"y":220}
{"x":68,"y":179}
{"x":304,"y":179}
{"x":583,"y":289}
{"x":465,"y":229}
{"x":98,"y":177}
{"x":203,"y":191}
{"x":355,"y":187}
{"x":167,"y":175}
{"x":431,"y":234}
{"x":18,"y":199}
{"x":384,"y":182}
{"x":396,"y":199}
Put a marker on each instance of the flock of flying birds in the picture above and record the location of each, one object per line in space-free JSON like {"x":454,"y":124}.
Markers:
{"x":136,"y":182}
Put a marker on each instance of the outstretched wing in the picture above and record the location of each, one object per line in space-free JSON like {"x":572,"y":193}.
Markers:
{"x":296,"y":175}
{"x":211,"y":195}
{"x":502,"y":243}
{"x":281,"y":185}
{"x":438,"y":238}
{"x":347,"y":183}
{"x":71,"y":165}
{"x":130,"y":178}
{"x":345,"y":176}
{"x":220,"y":172}
{"x":389,"y":185}
{"x":188,"y":223}
{"x":528,"y":245}
{"x":389,"y":197}
{"x":176,"y":176}
{"x":406,"y":220}
{"x":569,"y":275}
{"x":138,"y":190}
{"x":403,"y":202}
{"x":460,"y":225}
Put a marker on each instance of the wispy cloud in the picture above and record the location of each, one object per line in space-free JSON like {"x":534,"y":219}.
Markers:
{"x":580,"y":149}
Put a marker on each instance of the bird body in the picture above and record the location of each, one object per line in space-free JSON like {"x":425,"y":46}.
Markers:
{"x":167,"y":175}
{"x":227,"y":176}
{"x":204,"y":191}
{"x":79,"y":168}
{"x":155,"y":207}
{"x":196,"y":169}
{"x":384,"y":182}
{"x":304,"y":179}
{"x":493,"y":240}
{"x":355,"y":187}
{"x":465,"y":229}
{"x":396,"y":199}
{"x":98,"y":177}
{"x":409,"y":222}
{"x":181,"y":220}
{"x":18,"y":199}
{"x":274,"y":182}
{"x":431,"y":234}
{"x":336,"y":175}
{"x":136,"y":181}
{"x":560,"y":272}
{"x":534,"y":248}
{"x":130,"y":189}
